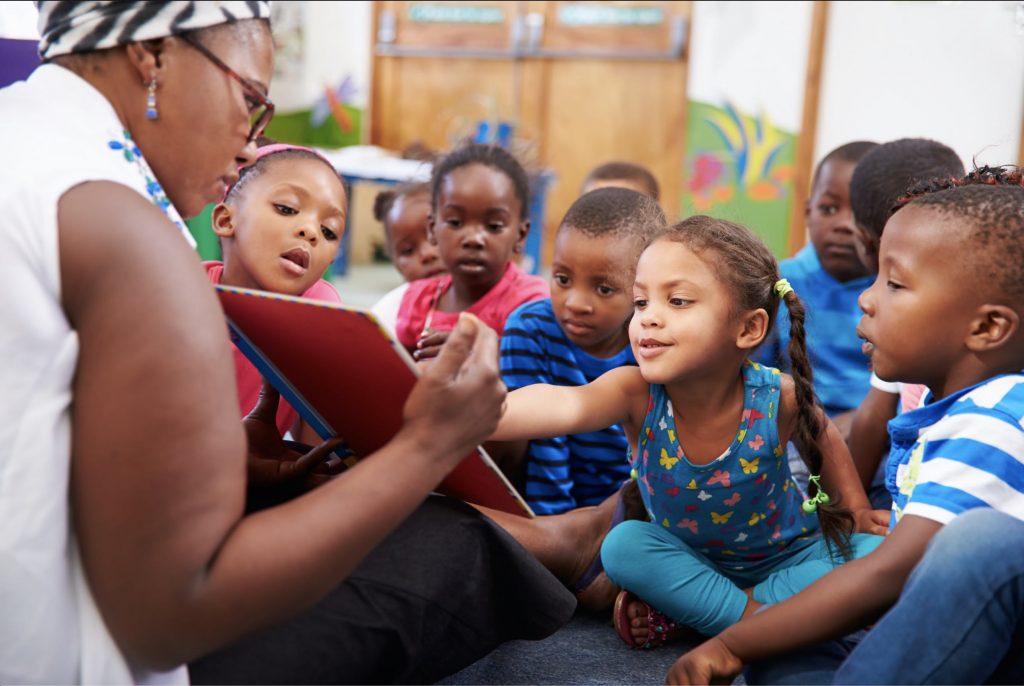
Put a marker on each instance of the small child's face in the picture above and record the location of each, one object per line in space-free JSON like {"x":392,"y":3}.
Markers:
{"x":830,"y":222}
{"x":415,"y":257}
{"x":591,"y":289}
{"x":919,"y":309}
{"x":284,"y":229}
{"x":684,"y":321}
{"x":477,"y":224}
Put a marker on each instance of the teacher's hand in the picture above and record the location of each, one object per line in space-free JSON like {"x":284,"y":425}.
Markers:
{"x":457,"y":401}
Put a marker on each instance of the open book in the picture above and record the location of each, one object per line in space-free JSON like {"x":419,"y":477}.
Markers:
{"x":346,"y":376}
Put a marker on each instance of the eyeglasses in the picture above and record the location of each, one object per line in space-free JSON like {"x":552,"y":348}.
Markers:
{"x":260,"y":106}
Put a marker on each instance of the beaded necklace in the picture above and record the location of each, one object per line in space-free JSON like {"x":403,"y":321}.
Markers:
{"x":132,"y":155}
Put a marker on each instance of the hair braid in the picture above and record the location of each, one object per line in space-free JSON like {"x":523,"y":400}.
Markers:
{"x":836,"y":521}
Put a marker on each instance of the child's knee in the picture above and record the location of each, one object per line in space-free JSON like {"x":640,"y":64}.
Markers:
{"x":621,"y":549}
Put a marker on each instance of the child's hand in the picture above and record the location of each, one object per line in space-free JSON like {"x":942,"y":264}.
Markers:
{"x":429,"y":345}
{"x":869,"y":521}
{"x":457,"y":401}
{"x":709,"y":663}
{"x":270,"y":462}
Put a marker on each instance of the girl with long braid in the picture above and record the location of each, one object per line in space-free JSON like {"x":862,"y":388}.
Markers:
{"x":729,"y":530}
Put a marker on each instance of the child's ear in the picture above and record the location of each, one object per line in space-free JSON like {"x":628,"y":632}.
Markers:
{"x":223,"y":220}
{"x":807,"y":209}
{"x":431,"y":223}
{"x":992,"y":328}
{"x":753,"y":329}
{"x":524,"y":230}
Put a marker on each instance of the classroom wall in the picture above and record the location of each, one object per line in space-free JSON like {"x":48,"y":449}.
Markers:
{"x":951,"y":71}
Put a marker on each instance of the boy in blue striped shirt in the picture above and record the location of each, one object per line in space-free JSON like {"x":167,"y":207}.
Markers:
{"x":576,"y":336}
{"x":946,"y":311}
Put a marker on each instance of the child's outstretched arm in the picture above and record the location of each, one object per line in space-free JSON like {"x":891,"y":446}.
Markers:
{"x":838,"y":473}
{"x":846,"y":599}
{"x":543,"y":411}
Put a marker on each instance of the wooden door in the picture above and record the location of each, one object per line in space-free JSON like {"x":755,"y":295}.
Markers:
{"x":439,"y":67}
{"x":615,"y":89}
{"x":583,"y":82}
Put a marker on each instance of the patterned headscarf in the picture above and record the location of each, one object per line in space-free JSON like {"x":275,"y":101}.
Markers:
{"x":71,"y":26}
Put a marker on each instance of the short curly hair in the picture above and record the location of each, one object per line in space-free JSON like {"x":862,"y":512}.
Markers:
{"x":887,"y":172}
{"x":988,"y":204}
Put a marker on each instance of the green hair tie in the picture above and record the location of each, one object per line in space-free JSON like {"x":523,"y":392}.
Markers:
{"x":821,"y":497}
{"x":782,"y":288}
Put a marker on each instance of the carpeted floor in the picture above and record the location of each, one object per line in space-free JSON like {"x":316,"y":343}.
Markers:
{"x":585,"y":651}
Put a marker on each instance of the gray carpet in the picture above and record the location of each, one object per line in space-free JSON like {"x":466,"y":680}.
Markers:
{"x":585,"y":651}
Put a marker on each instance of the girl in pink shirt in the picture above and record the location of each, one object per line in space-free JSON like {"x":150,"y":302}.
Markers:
{"x":280,"y":226}
{"x":480,"y":200}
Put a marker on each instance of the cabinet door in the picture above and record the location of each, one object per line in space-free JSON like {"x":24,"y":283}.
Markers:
{"x":439,"y":68}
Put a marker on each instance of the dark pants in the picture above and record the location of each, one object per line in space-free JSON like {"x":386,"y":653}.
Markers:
{"x":446,"y":588}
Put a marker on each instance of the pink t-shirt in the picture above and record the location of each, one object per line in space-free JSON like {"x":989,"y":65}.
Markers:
{"x":514,"y":289}
{"x":247,"y":376}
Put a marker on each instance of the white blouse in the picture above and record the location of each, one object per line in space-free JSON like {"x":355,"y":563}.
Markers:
{"x":59,"y":132}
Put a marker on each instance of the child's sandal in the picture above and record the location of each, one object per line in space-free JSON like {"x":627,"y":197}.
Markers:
{"x":660,"y":627}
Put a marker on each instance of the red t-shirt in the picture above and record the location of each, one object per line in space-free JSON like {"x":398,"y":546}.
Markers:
{"x":247,"y":377}
{"x":514,"y":289}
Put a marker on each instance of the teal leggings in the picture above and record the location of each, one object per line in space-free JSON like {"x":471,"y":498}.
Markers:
{"x":654,"y":564}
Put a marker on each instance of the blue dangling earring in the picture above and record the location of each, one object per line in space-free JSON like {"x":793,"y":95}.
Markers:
{"x":151,"y":112}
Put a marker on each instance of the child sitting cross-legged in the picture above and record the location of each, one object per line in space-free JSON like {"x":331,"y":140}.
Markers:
{"x":928,"y":319}
{"x":707,"y":431}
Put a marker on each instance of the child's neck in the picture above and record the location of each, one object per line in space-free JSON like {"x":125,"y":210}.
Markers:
{"x":971,"y":372}
{"x":232,"y":275}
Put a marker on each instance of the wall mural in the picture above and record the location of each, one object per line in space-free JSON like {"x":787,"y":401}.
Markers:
{"x":745,"y":94}
{"x":738,"y":164}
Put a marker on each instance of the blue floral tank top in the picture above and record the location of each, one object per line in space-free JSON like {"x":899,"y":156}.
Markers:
{"x":741,"y":507}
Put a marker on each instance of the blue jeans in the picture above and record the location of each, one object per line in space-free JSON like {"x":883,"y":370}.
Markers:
{"x":656,"y":565}
{"x":958,"y":619}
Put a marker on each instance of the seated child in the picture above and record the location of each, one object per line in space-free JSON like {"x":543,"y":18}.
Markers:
{"x":480,"y":200}
{"x":707,"y":430}
{"x":829,"y":276}
{"x":622,"y":175}
{"x":884,"y":175}
{"x":960,"y":451}
{"x":404,"y":211}
{"x":576,"y":336}
{"x":279,"y":227}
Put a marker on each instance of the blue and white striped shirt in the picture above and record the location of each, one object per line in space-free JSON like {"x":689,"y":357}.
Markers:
{"x":960,"y":453}
{"x":572,"y":471}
